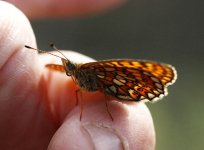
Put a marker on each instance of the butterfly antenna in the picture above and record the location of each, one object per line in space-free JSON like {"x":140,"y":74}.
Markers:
{"x":44,"y":51}
{"x":55,"y":48}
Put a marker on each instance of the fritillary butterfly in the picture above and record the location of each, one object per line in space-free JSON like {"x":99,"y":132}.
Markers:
{"x":124,"y":79}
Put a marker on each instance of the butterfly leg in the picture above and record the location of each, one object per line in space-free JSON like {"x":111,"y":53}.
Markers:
{"x":109,"y":113}
{"x":76,"y":94}
{"x":81,"y":102}
{"x":107,"y":108}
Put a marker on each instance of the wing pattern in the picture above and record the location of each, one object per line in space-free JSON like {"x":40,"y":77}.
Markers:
{"x":133,"y":80}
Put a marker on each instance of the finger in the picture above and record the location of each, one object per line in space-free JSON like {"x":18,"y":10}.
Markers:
{"x":15,"y":63}
{"x":132,"y":128}
{"x":55,"y":8}
{"x":24,"y":121}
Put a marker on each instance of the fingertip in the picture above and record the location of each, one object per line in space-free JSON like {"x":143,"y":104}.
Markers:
{"x":70,"y":136}
{"x":132,"y":124}
{"x":68,"y":8}
{"x":18,"y":65}
{"x":131,"y":128}
{"x":15,"y":25}
{"x":15,"y":32}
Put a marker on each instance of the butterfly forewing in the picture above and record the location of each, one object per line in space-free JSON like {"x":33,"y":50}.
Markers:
{"x":55,"y":67}
{"x":133,"y":80}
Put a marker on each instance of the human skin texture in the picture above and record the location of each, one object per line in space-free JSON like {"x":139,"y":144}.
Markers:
{"x":38,"y":106}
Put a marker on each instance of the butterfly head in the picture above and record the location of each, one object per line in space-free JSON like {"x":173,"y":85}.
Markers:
{"x":69,"y":67}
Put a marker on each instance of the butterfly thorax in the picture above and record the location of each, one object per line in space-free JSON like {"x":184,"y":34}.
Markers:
{"x":85,"y":78}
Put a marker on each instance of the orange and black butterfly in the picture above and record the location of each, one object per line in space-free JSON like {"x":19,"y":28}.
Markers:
{"x":124,"y":79}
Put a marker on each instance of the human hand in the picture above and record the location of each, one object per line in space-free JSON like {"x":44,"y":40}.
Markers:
{"x":67,"y":8}
{"x":37,"y":106}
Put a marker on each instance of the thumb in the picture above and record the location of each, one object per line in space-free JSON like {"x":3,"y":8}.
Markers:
{"x":24,"y":123}
{"x":16,"y":64}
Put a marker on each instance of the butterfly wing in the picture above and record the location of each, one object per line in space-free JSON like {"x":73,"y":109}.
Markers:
{"x":55,"y":67}
{"x":133,"y":80}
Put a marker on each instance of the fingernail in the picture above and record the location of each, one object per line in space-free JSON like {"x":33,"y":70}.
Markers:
{"x":105,"y":137}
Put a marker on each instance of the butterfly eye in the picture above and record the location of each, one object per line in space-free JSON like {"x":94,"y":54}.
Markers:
{"x":71,"y":66}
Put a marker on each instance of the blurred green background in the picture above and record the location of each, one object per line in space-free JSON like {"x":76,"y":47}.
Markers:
{"x":170,"y":31}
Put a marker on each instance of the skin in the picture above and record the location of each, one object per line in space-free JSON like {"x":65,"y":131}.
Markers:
{"x":38,"y":107}
{"x":71,"y":8}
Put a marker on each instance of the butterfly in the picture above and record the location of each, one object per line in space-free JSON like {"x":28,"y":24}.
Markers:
{"x":125,"y":79}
